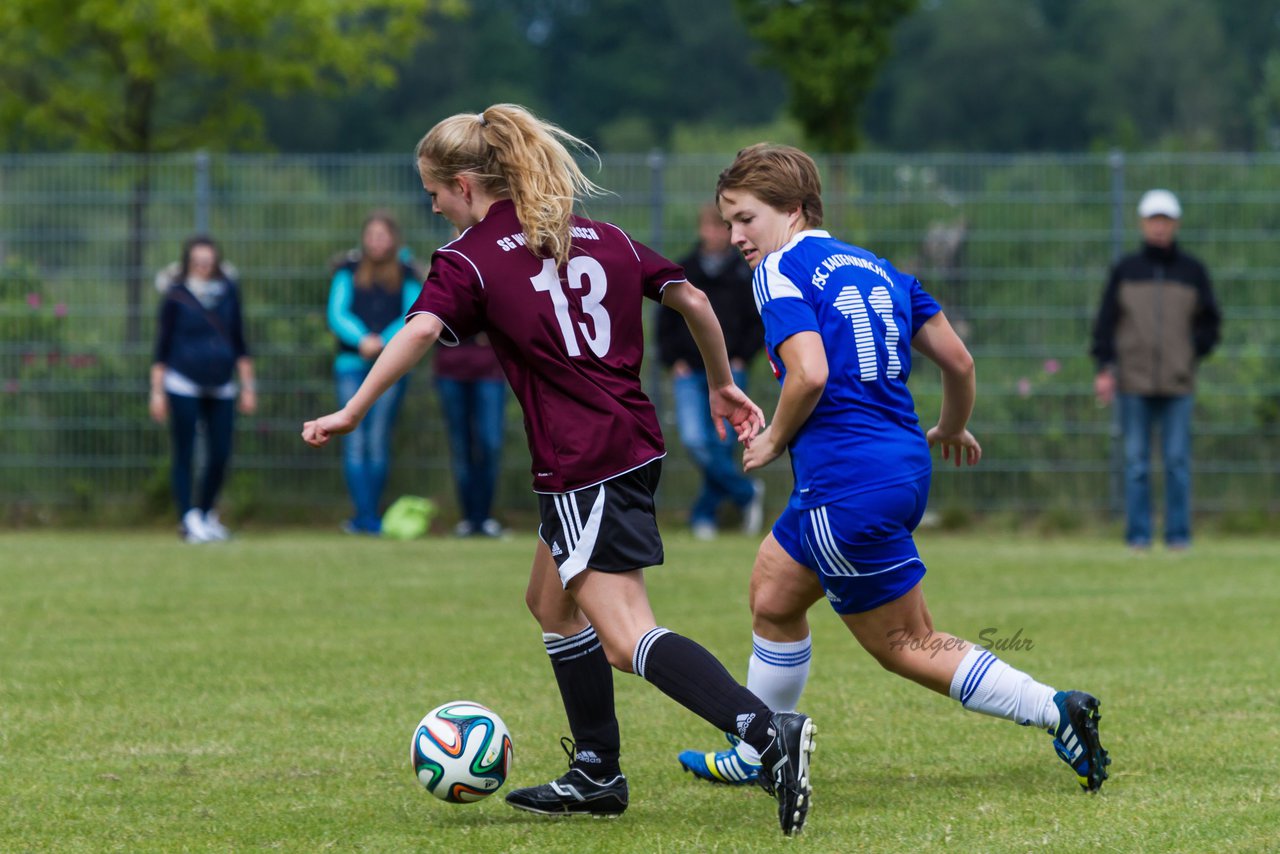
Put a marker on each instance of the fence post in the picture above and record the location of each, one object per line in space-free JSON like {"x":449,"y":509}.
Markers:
{"x":1116,"y":481}
{"x":1115,"y":160}
{"x":657,"y":162}
{"x":202,"y":192}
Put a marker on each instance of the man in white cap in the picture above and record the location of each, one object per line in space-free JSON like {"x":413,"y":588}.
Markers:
{"x":1157,"y":320}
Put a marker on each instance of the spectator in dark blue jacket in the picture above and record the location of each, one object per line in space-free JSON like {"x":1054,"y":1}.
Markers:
{"x":200,"y":351}
{"x":371,"y":291}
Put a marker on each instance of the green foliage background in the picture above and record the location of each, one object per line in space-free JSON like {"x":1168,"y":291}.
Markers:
{"x":1037,"y":237}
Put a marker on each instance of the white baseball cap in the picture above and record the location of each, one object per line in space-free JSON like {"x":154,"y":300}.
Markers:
{"x":1159,"y":203}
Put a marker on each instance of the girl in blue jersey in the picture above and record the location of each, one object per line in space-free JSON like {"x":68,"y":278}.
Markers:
{"x":840,"y":324}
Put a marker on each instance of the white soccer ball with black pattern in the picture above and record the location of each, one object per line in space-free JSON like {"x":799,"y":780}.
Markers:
{"x":461,"y":752}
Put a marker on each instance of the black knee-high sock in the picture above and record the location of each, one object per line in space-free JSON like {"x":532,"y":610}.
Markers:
{"x":586,"y":687}
{"x":695,"y":679}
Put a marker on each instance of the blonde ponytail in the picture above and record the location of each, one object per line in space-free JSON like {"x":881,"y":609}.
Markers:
{"x":511,"y":153}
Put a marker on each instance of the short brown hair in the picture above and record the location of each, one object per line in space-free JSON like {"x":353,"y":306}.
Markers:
{"x":781,"y":176}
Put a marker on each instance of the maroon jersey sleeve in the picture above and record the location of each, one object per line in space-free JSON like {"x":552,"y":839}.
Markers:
{"x":656,"y":272}
{"x":452,"y":292}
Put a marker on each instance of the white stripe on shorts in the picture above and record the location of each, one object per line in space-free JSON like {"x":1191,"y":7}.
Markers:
{"x":581,"y":548}
{"x":826,"y":547}
{"x":566,"y":509}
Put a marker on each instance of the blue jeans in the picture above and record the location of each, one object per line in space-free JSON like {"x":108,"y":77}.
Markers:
{"x":475,"y":418}
{"x":218,"y":417}
{"x":721,"y":477}
{"x":1139,"y":414}
{"x":366,"y":450}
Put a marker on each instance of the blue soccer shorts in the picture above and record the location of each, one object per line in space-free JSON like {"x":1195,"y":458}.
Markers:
{"x":860,"y":547}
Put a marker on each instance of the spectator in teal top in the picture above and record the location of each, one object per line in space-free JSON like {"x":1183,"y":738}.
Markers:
{"x":372,"y":289}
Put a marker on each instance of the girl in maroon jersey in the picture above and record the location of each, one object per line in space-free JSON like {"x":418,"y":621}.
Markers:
{"x":561,"y":299}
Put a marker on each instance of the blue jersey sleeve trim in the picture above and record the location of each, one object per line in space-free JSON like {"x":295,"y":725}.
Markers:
{"x":923,"y":306}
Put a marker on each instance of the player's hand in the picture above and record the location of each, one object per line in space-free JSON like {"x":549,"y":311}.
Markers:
{"x":958,"y":446}
{"x":732,"y":403}
{"x":760,"y":451}
{"x":316,"y":433}
{"x":248,"y":403}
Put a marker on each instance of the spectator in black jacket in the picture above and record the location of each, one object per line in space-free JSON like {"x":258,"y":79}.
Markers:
{"x":720,"y":271}
{"x":200,"y":351}
{"x":1157,"y":320}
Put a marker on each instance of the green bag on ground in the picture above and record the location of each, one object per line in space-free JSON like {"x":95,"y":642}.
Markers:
{"x":408,"y":517}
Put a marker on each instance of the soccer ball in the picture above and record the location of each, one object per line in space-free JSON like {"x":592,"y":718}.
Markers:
{"x":461,"y":752}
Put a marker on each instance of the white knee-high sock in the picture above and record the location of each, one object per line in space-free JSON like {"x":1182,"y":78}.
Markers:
{"x":777,"y":673}
{"x":778,"y":670}
{"x":984,"y":683}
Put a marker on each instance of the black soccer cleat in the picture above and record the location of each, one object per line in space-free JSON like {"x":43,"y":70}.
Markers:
{"x":784,"y":771}
{"x":1076,"y":738}
{"x":573,"y":794}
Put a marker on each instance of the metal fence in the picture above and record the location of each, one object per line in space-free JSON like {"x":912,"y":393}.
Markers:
{"x":1015,"y":247}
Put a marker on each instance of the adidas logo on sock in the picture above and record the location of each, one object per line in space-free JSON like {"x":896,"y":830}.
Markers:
{"x":588,"y":756}
{"x":744,"y":721}
{"x":556,"y":551}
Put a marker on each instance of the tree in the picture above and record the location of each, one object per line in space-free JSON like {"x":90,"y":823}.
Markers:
{"x":1055,"y":75}
{"x":148,"y":76}
{"x":622,"y":74}
{"x":969,"y":74}
{"x":829,"y":51}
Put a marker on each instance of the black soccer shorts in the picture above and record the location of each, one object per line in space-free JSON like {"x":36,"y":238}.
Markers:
{"x":610,"y":526}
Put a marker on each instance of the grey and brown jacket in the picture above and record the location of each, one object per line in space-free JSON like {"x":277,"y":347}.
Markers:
{"x":1158,"y":318}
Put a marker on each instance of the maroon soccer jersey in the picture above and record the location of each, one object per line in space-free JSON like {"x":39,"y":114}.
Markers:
{"x":570,"y":339}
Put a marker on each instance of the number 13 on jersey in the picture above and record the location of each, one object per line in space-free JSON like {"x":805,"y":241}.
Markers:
{"x":582,"y":271}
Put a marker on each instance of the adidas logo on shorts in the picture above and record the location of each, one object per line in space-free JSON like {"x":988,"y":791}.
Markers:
{"x":556,"y":551}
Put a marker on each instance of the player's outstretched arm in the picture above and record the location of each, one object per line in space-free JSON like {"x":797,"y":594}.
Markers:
{"x":727,"y":400}
{"x":403,"y":351}
{"x":938,"y":341}
{"x":805,"y":358}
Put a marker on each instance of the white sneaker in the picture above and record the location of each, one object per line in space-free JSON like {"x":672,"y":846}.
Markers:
{"x":704,"y":531}
{"x":753,"y":513}
{"x":194,"y":529}
{"x":214,"y":527}
{"x":492,"y":528}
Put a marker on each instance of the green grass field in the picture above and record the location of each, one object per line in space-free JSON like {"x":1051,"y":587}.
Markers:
{"x":261,"y":695}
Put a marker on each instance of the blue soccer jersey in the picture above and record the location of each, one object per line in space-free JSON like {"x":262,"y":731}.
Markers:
{"x":864,"y":433}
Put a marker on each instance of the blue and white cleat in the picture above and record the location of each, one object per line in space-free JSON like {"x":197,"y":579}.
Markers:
{"x":725,"y":766}
{"x":1076,"y":738}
